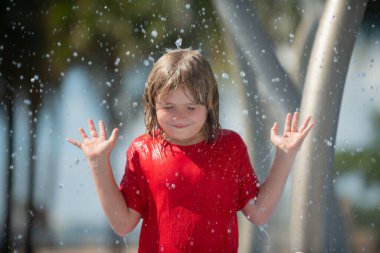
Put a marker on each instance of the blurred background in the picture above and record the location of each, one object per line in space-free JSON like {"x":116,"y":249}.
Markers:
{"x":65,"y":61}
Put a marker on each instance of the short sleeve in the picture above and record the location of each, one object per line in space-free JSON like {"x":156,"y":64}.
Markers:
{"x":248,"y":182}
{"x":131,"y":185}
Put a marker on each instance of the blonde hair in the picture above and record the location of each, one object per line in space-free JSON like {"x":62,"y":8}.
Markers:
{"x":183,"y":68}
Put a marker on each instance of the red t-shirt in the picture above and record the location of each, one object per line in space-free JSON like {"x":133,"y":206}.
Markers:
{"x":188,"y":196}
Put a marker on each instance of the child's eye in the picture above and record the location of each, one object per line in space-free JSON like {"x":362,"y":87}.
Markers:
{"x":191,"y":108}
{"x":168,"y":107}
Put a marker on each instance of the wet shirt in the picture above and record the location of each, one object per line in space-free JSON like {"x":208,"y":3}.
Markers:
{"x":188,"y":196}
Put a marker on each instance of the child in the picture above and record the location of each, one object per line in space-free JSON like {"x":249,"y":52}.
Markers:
{"x":187,"y":177}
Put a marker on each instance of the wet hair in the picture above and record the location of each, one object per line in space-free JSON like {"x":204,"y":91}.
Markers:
{"x":183,"y":68}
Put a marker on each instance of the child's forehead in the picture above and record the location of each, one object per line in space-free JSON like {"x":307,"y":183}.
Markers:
{"x":181,"y":92}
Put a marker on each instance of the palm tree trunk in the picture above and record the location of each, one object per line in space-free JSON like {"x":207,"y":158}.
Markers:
{"x":29,"y":247}
{"x":7,"y":232}
{"x":312,"y":189}
{"x":272,"y":80}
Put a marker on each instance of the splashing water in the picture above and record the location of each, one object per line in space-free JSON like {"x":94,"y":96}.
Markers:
{"x":154,"y":33}
{"x":262,"y":228}
{"x":178,"y":43}
{"x":268,"y":156}
{"x":126,"y":244}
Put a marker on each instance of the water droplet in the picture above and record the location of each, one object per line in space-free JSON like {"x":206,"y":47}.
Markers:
{"x":154,"y":33}
{"x":178,"y":42}
{"x":262,"y":228}
{"x":61,"y":185}
{"x":187,"y":6}
{"x":225,"y":76}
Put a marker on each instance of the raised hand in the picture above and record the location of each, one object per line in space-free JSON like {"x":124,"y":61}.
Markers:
{"x":96,"y":146}
{"x":292,"y":138}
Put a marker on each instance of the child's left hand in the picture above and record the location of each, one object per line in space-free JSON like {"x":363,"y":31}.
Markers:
{"x":292,"y":138}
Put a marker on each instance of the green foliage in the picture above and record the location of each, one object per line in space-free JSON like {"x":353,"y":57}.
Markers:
{"x":103,"y":31}
{"x":366,"y":217}
{"x":366,"y":160}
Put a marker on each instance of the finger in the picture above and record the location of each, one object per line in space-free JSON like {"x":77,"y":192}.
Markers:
{"x":305,"y":124}
{"x":306,"y":131}
{"x":83,"y":133}
{"x":74,"y":142}
{"x":113,"y":136}
{"x":288,"y":123}
{"x":295,"y":122}
{"x":102,"y":130}
{"x":274,"y":133}
{"x":92,"y":128}
{"x":274,"y":130}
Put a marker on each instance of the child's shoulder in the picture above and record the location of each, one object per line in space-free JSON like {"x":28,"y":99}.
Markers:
{"x":229,"y":136}
{"x":141,"y":142}
{"x":142,"y":139}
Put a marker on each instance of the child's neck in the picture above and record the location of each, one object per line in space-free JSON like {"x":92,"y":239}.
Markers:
{"x":200,"y":137}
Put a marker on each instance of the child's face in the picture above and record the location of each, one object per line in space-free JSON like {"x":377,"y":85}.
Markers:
{"x":180,"y":117}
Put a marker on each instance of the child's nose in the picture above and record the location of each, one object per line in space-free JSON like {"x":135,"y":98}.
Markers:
{"x":178,"y":115}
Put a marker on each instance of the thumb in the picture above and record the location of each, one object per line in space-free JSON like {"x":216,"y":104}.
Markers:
{"x":274,"y":133}
{"x":274,"y":130}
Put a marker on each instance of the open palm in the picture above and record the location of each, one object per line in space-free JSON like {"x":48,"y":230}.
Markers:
{"x":291,"y":140}
{"x":97,"y":146}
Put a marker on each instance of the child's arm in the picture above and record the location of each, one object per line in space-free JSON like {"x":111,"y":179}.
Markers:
{"x":271,"y":190}
{"x":98,"y":150}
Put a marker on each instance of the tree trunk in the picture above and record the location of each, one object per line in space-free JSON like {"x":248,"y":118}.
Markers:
{"x":312,"y":191}
{"x":272,"y":80}
{"x":257,"y":132}
{"x":6,"y":245}
{"x":267,"y":93}
{"x":30,"y":212}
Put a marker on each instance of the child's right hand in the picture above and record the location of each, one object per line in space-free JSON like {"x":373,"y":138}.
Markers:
{"x":97,"y":147}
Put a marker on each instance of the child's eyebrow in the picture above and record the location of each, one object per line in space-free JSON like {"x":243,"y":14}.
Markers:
{"x":169,"y":103}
